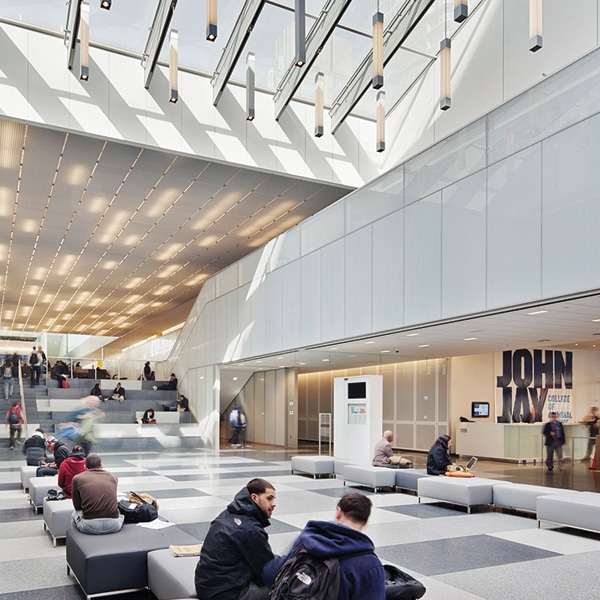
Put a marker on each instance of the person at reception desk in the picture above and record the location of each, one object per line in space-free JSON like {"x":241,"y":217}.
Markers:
{"x":438,"y":459}
{"x":591,"y":420}
{"x":555,"y":438}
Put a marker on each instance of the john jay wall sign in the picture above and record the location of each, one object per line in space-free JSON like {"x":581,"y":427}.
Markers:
{"x":533,"y":384}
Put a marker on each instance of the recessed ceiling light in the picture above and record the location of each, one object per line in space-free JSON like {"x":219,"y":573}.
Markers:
{"x":235,"y":378}
{"x":423,"y":346}
{"x":595,"y":320}
{"x":384,"y":351}
{"x":537,"y":312}
{"x":470,"y":339}
{"x":411,"y":334}
{"x":369,"y":342}
{"x":324,"y":360}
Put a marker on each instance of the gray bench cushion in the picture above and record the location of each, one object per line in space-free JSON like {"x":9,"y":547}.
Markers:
{"x":578,"y":509}
{"x":314,"y":465}
{"x":171,"y":577}
{"x":38,"y":489}
{"x":117,"y":561}
{"x":521,"y":496}
{"x":373,"y":477}
{"x":465,"y":492}
{"x":57,"y":518}
{"x":406,"y":479}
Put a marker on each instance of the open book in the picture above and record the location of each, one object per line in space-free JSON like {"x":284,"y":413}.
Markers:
{"x":193,"y":550}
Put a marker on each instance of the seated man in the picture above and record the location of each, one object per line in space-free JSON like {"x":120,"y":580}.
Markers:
{"x":60,"y":451}
{"x":236,"y":547}
{"x":34,"y":448}
{"x":95,"y":499}
{"x":361,"y":574}
{"x":183,"y":405}
{"x":384,"y":453}
{"x":170,"y":385}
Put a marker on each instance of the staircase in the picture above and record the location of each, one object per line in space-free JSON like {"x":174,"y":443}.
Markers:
{"x":48,"y":406}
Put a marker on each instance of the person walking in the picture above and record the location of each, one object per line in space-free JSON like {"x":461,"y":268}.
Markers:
{"x":555,"y":439}
{"x":591,"y":420}
{"x":7,"y":378}
{"x":14,"y":418}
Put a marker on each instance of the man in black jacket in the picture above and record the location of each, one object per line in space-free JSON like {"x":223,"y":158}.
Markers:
{"x":60,"y":451}
{"x":555,"y":438}
{"x":237,"y":547}
{"x":34,"y":448}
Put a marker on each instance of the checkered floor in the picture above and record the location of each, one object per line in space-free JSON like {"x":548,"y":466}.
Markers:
{"x":483,"y":555}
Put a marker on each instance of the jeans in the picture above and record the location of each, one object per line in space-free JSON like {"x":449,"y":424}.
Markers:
{"x":15,"y":435}
{"x":45,"y":471}
{"x":96,"y":526}
{"x":8,"y":387}
{"x":553,"y":447}
{"x":590,"y":446}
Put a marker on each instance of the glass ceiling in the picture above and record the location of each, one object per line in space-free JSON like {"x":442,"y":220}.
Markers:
{"x":126,"y":25}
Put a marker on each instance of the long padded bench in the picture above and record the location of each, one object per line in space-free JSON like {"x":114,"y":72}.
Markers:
{"x":406,"y":479}
{"x":170,"y":577}
{"x":369,"y":476}
{"x":580,"y":510}
{"x":313,"y":465}
{"x":521,"y":496}
{"x":117,"y":562}
{"x":57,"y":518}
{"x":464,"y":492}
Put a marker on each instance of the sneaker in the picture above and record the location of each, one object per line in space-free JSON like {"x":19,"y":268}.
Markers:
{"x":154,"y":388}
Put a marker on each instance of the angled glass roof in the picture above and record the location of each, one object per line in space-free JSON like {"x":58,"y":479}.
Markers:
{"x":126,"y":26}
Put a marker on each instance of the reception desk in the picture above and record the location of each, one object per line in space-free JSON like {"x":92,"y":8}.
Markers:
{"x":515,"y":442}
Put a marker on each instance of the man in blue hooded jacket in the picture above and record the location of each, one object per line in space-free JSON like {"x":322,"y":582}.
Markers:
{"x":361,"y":576}
{"x":237,"y":547}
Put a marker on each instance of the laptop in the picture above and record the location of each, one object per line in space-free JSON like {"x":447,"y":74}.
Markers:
{"x":471,"y":463}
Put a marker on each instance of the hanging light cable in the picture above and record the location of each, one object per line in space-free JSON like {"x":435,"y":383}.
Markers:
{"x":173,"y":65}
{"x":377,"y":49}
{"x":84,"y":42}
{"x":445,"y":67}
{"x":211,"y":20}
{"x":535,"y":25}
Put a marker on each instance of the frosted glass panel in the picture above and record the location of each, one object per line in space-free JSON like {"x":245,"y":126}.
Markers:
{"x":358,"y":283}
{"x":426,"y":391}
{"x":464,"y":246}
{"x":571,"y":210}
{"x":514,"y":234}
{"x":556,"y":103}
{"x":388,"y":272}
{"x":404,"y":437}
{"x":286,"y":248}
{"x":405,"y":393}
{"x":422,"y":249}
{"x":452,"y":159}
{"x":375,"y":200}
{"x":323,"y":228}
{"x":332,"y":287}
{"x":426,"y":435}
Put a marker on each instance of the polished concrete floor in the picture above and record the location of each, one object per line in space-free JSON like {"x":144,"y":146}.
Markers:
{"x":486,"y":555}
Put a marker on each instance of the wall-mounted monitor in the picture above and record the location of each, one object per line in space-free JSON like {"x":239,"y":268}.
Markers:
{"x":357,"y":390}
{"x":480,"y":410}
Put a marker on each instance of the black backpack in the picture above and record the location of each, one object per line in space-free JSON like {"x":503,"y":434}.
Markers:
{"x":307,"y":577}
{"x":33,"y":359}
{"x":13,"y":417}
{"x":400,"y":585}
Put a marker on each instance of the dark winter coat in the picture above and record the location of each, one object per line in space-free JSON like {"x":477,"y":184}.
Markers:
{"x":235,"y":550}
{"x":361,"y":577}
{"x":61,"y":452}
{"x":34,"y":449}
{"x":437,"y":460}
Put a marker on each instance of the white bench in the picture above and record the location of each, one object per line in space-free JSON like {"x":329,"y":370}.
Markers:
{"x":455,"y":490}
{"x":580,"y":510}
{"x":313,"y":465}
{"x":38,"y":490}
{"x":369,"y":476}
{"x":406,"y":479}
{"x":27,"y":472}
{"x":57,"y":518}
{"x":171,"y":577}
{"x":521,"y":496}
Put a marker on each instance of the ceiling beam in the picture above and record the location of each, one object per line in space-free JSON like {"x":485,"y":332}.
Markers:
{"x":235,"y":45}
{"x":157,"y":37}
{"x":316,"y":39}
{"x":395,"y":35}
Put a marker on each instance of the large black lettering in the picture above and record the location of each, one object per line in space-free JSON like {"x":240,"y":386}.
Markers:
{"x":543,"y":367}
{"x":504,"y":380}
{"x":537,"y":402}
{"x":521,"y":407}
{"x":522,"y":368}
{"x":506,"y":405}
{"x":563,"y":370}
